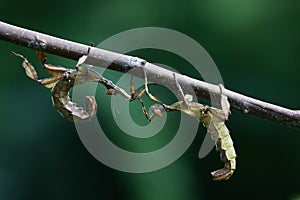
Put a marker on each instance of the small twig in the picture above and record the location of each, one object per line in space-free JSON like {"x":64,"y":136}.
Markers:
{"x":124,"y":63}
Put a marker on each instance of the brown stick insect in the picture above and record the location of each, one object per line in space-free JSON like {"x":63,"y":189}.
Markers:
{"x":63,"y":79}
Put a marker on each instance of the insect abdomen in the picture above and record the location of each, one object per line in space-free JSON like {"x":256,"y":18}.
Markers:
{"x":67,"y":108}
{"x":224,"y":145}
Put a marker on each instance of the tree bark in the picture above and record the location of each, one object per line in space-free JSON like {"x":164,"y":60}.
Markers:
{"x":134,"y":66}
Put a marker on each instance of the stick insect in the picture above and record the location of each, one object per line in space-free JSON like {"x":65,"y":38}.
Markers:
{"x":212,"y":118}
{"x":64,"y":79}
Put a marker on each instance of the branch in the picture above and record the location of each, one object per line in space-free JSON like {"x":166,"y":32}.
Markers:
{"x":133,"y":65}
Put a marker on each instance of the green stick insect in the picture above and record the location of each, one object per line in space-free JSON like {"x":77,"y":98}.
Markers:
{"x":64,"y":79}
{"x":212,"y":118}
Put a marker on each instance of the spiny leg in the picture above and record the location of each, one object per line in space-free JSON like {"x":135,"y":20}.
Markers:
{"x":133,"y":90}
{"x":156,"y":110}
{"x":113,"y":89}
{"x":138,"y":97}
{"x":184,"y":98}
{"x":31,"y":73}
{"x":149,"y":94}
{"x":225,"y":106}
{"x":29,"y":69}
{"x":180,"y":91}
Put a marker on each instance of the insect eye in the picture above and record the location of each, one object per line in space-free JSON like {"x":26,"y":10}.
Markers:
{"x":205,"y":110}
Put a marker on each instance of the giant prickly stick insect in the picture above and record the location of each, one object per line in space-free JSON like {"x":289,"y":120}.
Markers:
{"x":64,"y":79}
{"x":212,"y":118}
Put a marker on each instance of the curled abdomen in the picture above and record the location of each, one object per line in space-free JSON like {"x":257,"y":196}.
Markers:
{"x":224,"y":145}
{"x":67,"y":108}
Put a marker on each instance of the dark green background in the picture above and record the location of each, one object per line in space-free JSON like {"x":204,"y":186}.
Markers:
{"x":255,"y":45}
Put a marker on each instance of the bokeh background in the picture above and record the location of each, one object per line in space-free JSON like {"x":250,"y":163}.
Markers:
{"x":255,"y":45}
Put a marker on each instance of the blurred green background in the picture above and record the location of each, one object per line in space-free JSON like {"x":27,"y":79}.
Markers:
{"x":255,"y":45}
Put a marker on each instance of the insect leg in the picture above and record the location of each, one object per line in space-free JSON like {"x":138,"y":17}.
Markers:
{"x":29,"y":69}
{"x":185,"y":98}
{"x":114,"y":89}
{"x":180,"y":91}
{"x":150,"y":95}
{"x":31,"y":73}
{"x":132,"y":91}
{"x":224,"y":102}
{"x":155,"y":109}
{"x":138,"y":97}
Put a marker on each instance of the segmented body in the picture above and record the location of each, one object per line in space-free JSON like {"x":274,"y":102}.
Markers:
{"x":69,"y":109}
{"x":64,"y":79}
{"x":214,"y":120}
{"x":61,"y":82}
{"x":64,"y":105}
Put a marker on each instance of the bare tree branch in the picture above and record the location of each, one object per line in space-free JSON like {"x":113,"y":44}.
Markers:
{"x":133,"y":65}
